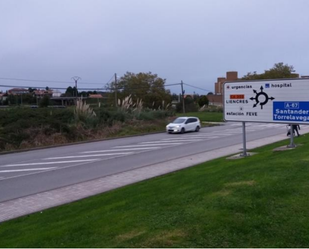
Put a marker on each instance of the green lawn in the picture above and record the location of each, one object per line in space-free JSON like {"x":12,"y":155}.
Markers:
{"x":205,"y":116}
{"x":258,"y":201}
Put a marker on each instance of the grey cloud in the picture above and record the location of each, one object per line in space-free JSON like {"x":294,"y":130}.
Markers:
{"x":194,"y":41}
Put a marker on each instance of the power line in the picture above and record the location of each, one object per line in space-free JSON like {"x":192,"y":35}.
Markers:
{"x":88,"y":83}
{"x":84,"y":88}
{"x":65,"y":82}
{"x":110,"y":79}
{"x":197,"y":87}
{"x":58,"y":88}
{"x":52,"y":81}
{"x":47,"y":81}
{"x":80,"y":88}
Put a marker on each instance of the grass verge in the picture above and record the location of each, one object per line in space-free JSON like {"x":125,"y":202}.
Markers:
{"x":258,"y":201}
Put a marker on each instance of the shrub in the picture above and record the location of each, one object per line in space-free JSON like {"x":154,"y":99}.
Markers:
{"x":211,"y":109}
{"x":149,"y":114}
{"x":25,"y":127}
{"x":45,"y":101}
{"x":119,"y":116}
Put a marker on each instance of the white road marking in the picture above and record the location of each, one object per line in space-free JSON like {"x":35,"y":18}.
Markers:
{"x":172,"y":141}
{"x":202,"y":135}
{"x":99,"y":151}
{"x":235,"y":130}
{"x":95,"y":155}
{"x":186,"y":138}
{"x":223,"y":134}
{"x":40,"y":163}
{"x":210,"y":136}
{"x":21,"y":170}
{"x":192,"y":139}
{"x":144,"y":145}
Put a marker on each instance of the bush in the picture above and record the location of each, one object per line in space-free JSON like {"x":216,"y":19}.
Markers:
{"x":15,"y":124}
{"x":108,"y":117}
{"x":119,"y":116}
{"x":149,"y":114}
{"x":44,"y":101}
{"x":190,"y":107}
{"x":212,"y":109}
{"x":25,"y":127}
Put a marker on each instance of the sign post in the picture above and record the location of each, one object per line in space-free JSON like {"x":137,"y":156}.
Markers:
{"x":244,"y":150}
{"x":291,"y":145}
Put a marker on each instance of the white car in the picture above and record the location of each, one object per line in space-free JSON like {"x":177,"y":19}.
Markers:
{"x":184,"y":124}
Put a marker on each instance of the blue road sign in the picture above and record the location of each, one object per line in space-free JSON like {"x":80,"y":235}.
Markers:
{"x":295,"y":111}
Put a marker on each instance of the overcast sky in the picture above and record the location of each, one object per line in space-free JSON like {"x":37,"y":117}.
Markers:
{"x":191,"y":40}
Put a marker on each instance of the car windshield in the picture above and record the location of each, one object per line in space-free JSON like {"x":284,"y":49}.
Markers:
{"x":179,"y":120}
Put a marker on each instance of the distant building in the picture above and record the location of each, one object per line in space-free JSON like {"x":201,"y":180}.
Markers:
{"x":56,"y":93}
{"x":230,"y":76}
{"x":217,"y":98}
{"x":17,"y":91}
{"x":41,"y":93}
{"x":95,"y":96}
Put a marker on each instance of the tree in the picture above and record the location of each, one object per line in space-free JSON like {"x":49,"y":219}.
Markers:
{"x":44,"y":101}
{"x":71,"y":92}
{"x":175,"y":97}
{"x":203,"y":100}
{"x":147,"y":87}
{"x":190,"y":105}
{"x":29,"y":99}
{"x":31,"y":90}
{"x":279,"y":70}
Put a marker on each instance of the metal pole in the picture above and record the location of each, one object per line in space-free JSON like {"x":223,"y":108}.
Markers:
{"x":76,"y":78}
{"x":291,"y":145}
{"x":183,"y":98}
{"x":244,"y":151}
{"x":116,"y":100}
{"x":76,"y":88}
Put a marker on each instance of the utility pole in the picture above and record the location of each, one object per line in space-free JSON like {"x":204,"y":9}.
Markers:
{"x":116,"y":100}
{"x":183,"y":98}
{"x":76,"y":78}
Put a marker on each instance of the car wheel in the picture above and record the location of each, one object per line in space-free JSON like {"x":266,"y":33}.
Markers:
{"x":197,"y":129}
{"x":182,"y":130}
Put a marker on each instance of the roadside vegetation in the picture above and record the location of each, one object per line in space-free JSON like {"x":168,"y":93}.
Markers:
{"x":259,"y":201}
{"x":135,"y":104}
{"x":139,"y":103}
{"x":22,"y":128}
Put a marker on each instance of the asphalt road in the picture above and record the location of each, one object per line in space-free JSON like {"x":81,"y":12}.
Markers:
{"x":26,"y":173}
